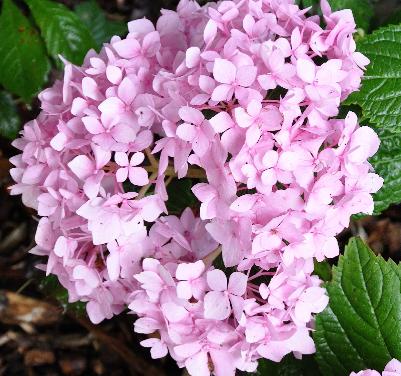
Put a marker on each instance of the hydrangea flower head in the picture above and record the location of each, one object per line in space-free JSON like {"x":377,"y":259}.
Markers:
{"x":242,"y":96}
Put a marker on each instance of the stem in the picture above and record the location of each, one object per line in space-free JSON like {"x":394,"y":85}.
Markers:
{"x":153,"y":161}
{"x":146,"y":187}
{"x":208,"y":260}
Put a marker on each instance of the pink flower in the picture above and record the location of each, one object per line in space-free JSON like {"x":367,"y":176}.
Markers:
{"x":217,"y":301}
{"x":90,"y":171}
{"x":231,"y":78}
{"x":190,"y":284}
{"x":136,"y":175}
{"x":195,"y":129}
{"x":276,"y":175}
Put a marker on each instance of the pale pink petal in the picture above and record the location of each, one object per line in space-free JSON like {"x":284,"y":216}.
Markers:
{"x":151,"y":44}
{"x":137,"y":159}
{"x":188,"y":349}
{"x":141,"y":26}
{"x":269,"y":177}
{"x":186,"y":132}
{"x":82,"y":166}
{"x":222,"y":93}
{"x":217,"y":280}
{"x":186,"y":271}
{"x":122,"y":174}
{"x":95,"y":312}
{"x":237,"y":283}
{"x":192,"y":57}
{"x":114,"y":74}
{"x":138,"y":176}
{"x":121,"y":159}
{"x":127,"y":48}
{"x":173,"y":312}
{"x":393,"y":368}
{"x":127,"y":90}
{"x":243,"y":119}
{"x":93,"y":125}
{"x":210,"y":31}
{"x":306,"y":70}
{"x":191,"y":115}
{"x":243,"y":203}
{"x":112,"y":106}
{"x":253,"y":135}
{"x":246,"y":75}
{"x":58,"y":141}
{"x":113,"y":265}
{"x":270,"y":158}
{"x":207,"y":84}
{"x":221,"y":122}
{"x":224,"y":71}
{"x":267,"y":82}
{"x":90,"y":88}
{"x":184,"y":290}
{"x":288,"y":161}
{"x":217,"y":305}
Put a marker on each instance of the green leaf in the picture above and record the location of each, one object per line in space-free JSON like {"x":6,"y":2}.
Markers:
{"x":387,"y":163}
{"x":180,"y":195}
{"x":62,"y":30}
{"x":9,"y":120}
{"x":380,"y":94}
{"x":322,"y":270}
{"x":52,"y":287}
{"x":101,"y":28}
{"x":23,"y":62}
{"x":289,"y":366}
{"x":361,"y":327}
{"x":361,"y":9}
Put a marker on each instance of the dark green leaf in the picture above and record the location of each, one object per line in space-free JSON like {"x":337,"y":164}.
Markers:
{"x":289,"y":366}
{"x":9,"y":120}
{"x":62,"y":30}
{"x":101,"y":28}
{"x":52,"y":287}
{"x":387,"y":163}
{"x":380,"y":94}
{"x":361,"y":328}
{"x":180,"y":195}
{"x":323,"y":270}
{"x":23,"y":62}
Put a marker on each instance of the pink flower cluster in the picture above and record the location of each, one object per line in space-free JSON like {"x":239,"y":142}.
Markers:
{"x":393,"y":368}
{"x":245,"y":95}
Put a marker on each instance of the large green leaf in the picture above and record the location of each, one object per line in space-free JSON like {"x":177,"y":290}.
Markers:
{"x":101,"y":28}
{"x":9,"y":119}
{"x":62,"y":30}
{"x":23,"y":62}
{"x":387,"y":163}
{"x":361,"y":327}
{"x":380,"y":94}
